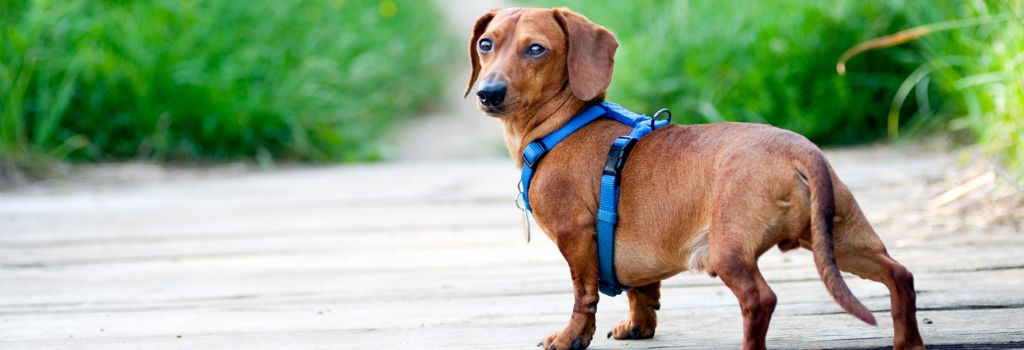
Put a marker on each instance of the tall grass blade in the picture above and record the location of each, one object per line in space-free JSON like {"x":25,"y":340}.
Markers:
{"x":908,"y":35}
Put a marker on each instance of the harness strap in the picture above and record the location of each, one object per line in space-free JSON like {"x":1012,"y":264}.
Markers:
{"x":607,"y":213}
{"x":536,"y":150}
{"x":608,"y":206}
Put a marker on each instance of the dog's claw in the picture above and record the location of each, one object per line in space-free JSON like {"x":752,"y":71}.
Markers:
{"x":552,"y":347}
{"x":610,"y":334}
{"x":540,"y":344}
{"x":577,"y":344}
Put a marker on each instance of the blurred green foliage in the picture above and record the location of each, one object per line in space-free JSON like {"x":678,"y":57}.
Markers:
{"x":316,"y":80}
{"x":756,"y":61}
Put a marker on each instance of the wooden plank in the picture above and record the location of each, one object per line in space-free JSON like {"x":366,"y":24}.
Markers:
{"x":429,"y":255}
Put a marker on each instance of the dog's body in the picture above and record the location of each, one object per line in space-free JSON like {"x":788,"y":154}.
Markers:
{"x":703,"y":197}
{"x":667,"y":204}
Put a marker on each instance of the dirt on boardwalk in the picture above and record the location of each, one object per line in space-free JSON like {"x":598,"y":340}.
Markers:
{"x":962,"y":192}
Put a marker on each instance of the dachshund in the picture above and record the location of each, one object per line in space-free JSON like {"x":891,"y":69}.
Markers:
{"x":709,"y":198}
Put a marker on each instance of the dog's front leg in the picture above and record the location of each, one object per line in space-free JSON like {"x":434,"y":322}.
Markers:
{"x":580,"y":250}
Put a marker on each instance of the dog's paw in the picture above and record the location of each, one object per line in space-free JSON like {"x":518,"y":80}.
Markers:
{"x":628,"y":330}
{"x":563,"y":341}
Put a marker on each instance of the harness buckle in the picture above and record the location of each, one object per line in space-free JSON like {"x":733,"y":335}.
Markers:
{"x":617,"y":155}
{"x":543,"y":151}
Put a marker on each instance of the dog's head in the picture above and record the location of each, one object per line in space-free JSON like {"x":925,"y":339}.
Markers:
{"x":523,"y":57}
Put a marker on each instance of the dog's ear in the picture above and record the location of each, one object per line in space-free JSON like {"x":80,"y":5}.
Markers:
{"x":591,"y":54}
{"x":474,"y":58}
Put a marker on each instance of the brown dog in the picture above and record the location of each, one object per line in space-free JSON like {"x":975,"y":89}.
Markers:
{"x":706,"y":197}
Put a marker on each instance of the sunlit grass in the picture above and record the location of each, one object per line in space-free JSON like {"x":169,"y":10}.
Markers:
{"x":972,"y":54}
{"x":981,"y":74}
{"x":212,"y":80}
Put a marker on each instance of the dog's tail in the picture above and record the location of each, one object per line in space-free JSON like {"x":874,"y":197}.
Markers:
{"x":812,"y":164}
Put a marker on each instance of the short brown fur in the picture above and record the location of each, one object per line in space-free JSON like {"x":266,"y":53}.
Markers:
{"x":712,"y":197}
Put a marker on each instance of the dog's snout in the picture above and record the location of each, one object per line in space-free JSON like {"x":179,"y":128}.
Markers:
{"x":492,"y":94}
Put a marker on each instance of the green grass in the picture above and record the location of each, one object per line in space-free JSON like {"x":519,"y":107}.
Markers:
{"x":766,"y":62}
{"x":978,"y":71}
{"x":202,"y":80}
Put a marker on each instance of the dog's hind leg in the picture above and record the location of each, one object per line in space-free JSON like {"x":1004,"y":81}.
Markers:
{"x":643,"y":303}
{"x":736,"y":263}
{"x":742,"y":228}
{"x":757,"y":301}
{"x":860,"y":252}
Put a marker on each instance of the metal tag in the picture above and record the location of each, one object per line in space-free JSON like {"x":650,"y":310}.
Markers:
{"x":526,"y":226}
{"x":525,"y":214}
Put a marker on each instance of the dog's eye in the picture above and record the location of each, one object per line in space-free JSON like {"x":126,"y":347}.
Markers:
{"x":536,"y":50}
{"x":485,"y":45}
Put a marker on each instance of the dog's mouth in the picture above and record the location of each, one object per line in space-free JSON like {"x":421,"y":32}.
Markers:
{"x":497,"y":111}
{"x":510,"y":107}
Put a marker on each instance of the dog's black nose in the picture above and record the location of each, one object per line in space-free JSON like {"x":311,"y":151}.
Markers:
{"x":492,"y":94}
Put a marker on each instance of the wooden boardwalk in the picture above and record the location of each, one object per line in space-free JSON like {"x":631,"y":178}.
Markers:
{"x":430,"y":256}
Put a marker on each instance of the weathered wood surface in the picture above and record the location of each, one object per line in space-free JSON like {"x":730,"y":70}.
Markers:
{"x":430,"y":256}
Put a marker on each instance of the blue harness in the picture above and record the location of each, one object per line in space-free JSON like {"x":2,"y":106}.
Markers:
{"x":608,"y":208}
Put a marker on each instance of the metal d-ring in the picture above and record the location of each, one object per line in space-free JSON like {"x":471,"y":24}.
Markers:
{"x":658,"y":114}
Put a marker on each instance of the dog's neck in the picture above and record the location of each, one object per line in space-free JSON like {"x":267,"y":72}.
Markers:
{"x":536,"y":122}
